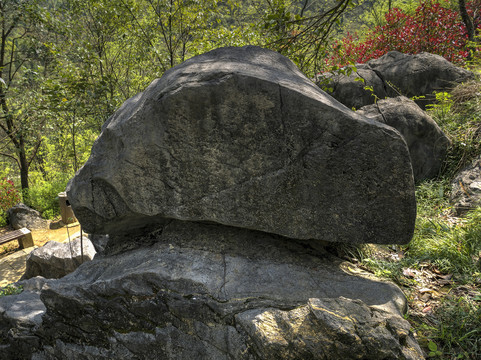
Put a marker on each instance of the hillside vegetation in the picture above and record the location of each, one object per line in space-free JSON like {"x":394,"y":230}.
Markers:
{"x":65,"y":66}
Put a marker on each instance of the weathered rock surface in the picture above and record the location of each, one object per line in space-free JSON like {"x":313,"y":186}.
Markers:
{"x":238,"y":136}
{"x":419,"y":75}
{"x":466,"y":188}
{"x":427,"y":143}
{"x":22,"y":216}
{"x":395,"y":74}
{"x":206,"y":291}
{"x":55,"y":260}
{"x":337,"y":328}
{"x":20,"y":318}
{"x":352,"y":89}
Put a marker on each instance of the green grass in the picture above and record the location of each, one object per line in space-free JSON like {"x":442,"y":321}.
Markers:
{"x":442,"y":242}
{"x":10,"y":290}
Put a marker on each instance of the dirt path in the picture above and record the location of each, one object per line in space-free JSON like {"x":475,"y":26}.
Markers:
{"x":12,"y":258}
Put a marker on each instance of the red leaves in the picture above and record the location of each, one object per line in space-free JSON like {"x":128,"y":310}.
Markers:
{"x":9,"y":195}
{"x":431,"y":28}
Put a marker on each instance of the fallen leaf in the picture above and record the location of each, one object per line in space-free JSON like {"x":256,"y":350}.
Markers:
{"x":425,"y":290}
{"x":354,"y":270}
{"x":446,"y":277}
{"x":427,"y":309}
{"x":408,"y":273}
{"x":425,"y":297}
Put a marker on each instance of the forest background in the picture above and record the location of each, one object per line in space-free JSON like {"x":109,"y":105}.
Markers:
{"x":66,"y":65}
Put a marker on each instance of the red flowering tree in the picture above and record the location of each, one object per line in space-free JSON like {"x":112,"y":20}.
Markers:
{"x":431,"y":28}
{"x":9,"y":197}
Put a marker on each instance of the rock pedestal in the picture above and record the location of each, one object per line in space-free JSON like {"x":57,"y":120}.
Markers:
{"x":206,"y":291}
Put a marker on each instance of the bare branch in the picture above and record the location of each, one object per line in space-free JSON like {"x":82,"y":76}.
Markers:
{"x":11,"y":157}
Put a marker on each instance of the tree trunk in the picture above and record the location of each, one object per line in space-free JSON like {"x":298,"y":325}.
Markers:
{"x":469,"y":25}
{"x":23,"y":163}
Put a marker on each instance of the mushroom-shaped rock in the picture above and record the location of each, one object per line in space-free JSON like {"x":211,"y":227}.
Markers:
{"x":240,"y":137}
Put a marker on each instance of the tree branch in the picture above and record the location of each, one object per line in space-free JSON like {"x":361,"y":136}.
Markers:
{"x":11,"y":157}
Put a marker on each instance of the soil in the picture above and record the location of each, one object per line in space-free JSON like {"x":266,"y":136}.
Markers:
{"x":57,"y":231}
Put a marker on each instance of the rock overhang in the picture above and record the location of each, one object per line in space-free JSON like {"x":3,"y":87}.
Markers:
{"x":240,"y":137}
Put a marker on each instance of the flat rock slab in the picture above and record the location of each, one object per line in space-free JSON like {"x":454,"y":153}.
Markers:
{"x":20,"y":317}
{"x":240,"y":137}
{"x":207,"y":291}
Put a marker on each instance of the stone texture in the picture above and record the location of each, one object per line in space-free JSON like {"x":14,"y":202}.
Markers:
{"x":349,"y":88}
{"x":55,"y":260}
{"x":392,"y":75}
{"x":22,"y":216}
{"x":207,"y":291}
{"x":20,"y":318}
{"x":240,"y":137}
{"x":419,"y":75}
{"x":337,"y":328}
{"x":466,"y":188}
{"x":427,"y":143}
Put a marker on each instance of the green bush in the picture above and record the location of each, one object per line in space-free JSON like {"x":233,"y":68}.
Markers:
{"x":43,"y":196}
{"x":10,"y":290}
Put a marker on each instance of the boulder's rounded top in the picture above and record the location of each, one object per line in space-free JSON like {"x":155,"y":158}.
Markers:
{"x":240,"y":137}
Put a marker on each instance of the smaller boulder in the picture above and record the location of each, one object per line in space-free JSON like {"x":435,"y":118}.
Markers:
{"x":466,"y":188}
{"x":55,"y":260}
{"x":22,"y":216}
{"x":354,"y":89}
{"x":391,"y":75}
{"x":426,"y":141}
{"x":418,"y":75}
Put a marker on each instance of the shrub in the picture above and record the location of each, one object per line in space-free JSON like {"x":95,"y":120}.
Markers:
{"x":431,"y":28}
{"x":43,"y":196}
{"x":9,"y":197}
{"x":10,"y":290}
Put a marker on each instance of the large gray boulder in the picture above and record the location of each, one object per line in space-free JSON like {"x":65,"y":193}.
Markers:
{"x":392,"y":75}
{"x":207,"y":291}
{"x":240,"y":137}
{"x":55,"y":260}
{"x":466,"y":188}
{"x":21,"y":216}
{"x":427,"y":143}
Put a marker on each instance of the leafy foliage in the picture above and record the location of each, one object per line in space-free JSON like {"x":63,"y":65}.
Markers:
{"x":43,"y":196}
{"x":10,"y":290}
{"x":431,"y":28}
{"x":9,"y":197}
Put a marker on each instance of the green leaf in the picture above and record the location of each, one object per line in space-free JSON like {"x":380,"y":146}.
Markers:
{"x":433,"y":347}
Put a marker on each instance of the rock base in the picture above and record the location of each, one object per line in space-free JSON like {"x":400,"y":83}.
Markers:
{"x":204,"y":291}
